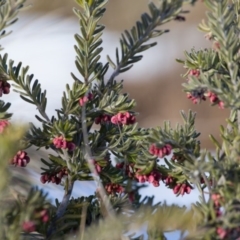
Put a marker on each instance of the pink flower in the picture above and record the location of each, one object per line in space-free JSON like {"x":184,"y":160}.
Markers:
{"x":103,"y":119}
{"x":3,"y":125}
{"x":222,"y":233}
{"x":176,"y":188}
{"x":54,"y":177}
{"x":182,"y":189}
{"x":114,"y":188}
{"x":221,"y":104}
{"x":216,"y":199}
{"x":44,"y":215}
{"x":20,"y":159}
{"x":194,"y":72}
{"x":214,"y":99}
{"x":60,"y":142}
{"x":4,"y":87}
{"x":196,"y":97}
{"x":28,"y":226}
{"x":124,"y":118}
{"x":71,"y":146}
{"x":85,"y":99}
{"x":44,"y":178}
{"x":168,"y":180}
{"x":154,"y":177}
{"x":160,"y":152}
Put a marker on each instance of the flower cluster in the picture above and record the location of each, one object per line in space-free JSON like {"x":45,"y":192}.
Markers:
{"x":21,"y":159}
{"x":214,"y":99}
{"x":160,"y":152}
{"x":61,"y":142}
{"x":196,"y":96}
{"x":114,"y":188}
{"x":104,"y":118}
{"x":55,"y":177}
{"x":124,"y":118}
{"x":178,"y":188}
{"x":216,"y":198}
{"x":85,"y":99}
{"x":182,"y":188}
{"x":154,"y":177}
{"x":3,"y":125}
{"x":194,"y":72}
{"x":30,"y":226}
{"x":4,"y":87}
{"x":44,"y":216}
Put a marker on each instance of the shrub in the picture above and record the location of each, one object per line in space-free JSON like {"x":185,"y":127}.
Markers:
{"x":95,"y":136}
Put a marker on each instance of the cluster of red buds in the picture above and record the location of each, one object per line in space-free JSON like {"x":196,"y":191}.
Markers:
{"x":4,"y":87}
{"x":178,"y":188}
{"x":196,"y":96}
{"x":228,"y":233}
{"x":160,"y":152}
{"x":61,"y":142}
{"x":124,"y":118}
{"x":214,"y":99}
{"x":85,"y":99}
{"x":216,"y":198}
{"x":114,"y":188}
{"x":194,"y":72}
{"x":3,"y":125}
{"x":182,"y":188}
{"x":21,"y":159}
{"x":54,"y":177}
{"x":30,"y":226}
{"x":169,"y":181}
{"x":44,"y":216}
{"x":104,"y":118}
{"x":154,"y":177}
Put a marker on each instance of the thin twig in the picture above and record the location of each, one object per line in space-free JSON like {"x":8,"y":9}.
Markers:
{"x":61,"y":208}
{"x":89,"y":158}
{"x":207,"y":182}
{"x":238,"y":120}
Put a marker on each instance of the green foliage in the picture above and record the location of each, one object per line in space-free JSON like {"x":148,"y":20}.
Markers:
{"x":84,"y":153}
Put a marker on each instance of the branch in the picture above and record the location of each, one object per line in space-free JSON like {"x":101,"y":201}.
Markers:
{"x":61,"y":208}
{"x":132,"y":41}
{"x":89,"y":158}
